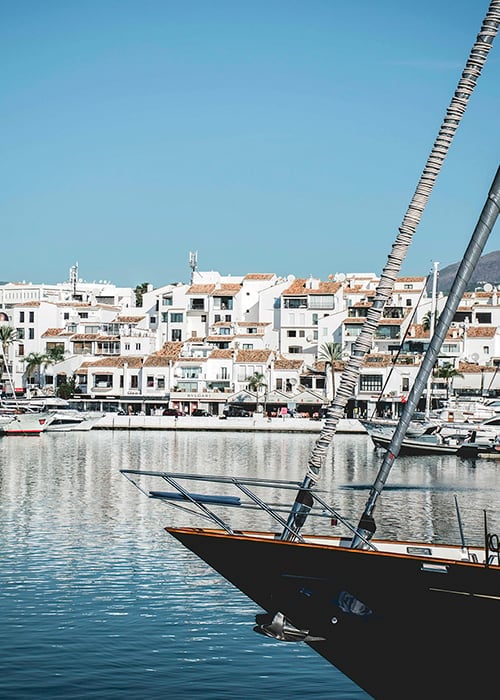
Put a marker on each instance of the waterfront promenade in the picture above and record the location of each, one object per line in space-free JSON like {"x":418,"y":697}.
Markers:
{"x":113,"y":421}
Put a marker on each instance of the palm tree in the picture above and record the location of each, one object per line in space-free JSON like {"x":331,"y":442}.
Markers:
{"x":140,"y":290}
{"x":447,"y":372}
{"x":426,"y":321}
{"x":331,"y":353}
{"x":55,"y":354}
{"x":68,"y":388}
{"x":256,"y":382}
{"x":7,"y":336}
{"x":34,"y":361}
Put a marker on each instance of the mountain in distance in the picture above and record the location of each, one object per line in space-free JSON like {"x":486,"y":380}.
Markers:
{"x":487,"y":272}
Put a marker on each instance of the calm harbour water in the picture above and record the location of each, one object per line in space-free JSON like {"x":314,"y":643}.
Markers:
{"x":97,"y":601}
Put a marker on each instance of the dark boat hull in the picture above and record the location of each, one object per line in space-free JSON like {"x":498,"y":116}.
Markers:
{"x":414,"y":446}
{"x":398,"y":626}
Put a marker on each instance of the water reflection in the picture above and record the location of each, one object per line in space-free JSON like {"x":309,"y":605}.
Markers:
{"x":97,"y":601}
{"x":76,"y":477}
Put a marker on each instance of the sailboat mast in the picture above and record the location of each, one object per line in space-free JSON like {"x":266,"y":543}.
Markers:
{"x":487,"y":219}
{"x":384,"y":290}
{"x":432,"y":326}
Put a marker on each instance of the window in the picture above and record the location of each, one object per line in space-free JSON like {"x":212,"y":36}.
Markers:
{"x":370,"y":382}
{"x":408,"y":286}
{"x":297,"y":303}
{"x":294,"y":349}
{"x":137,"y":346}
{"x":197,"y":304}
{"x":127,"y":346}
{"x":32,"y":317}
{"x":190,"y":372}
{"x":405,"y":384}
{"x":176,"y":334}
{"x":319,"y":301}
{"x":387,"y":332}
{"x":315,"y":319}
{"x":21,"y":317}
{"x":486,"y":350}
{"x":164,"y":317}
{"x":408,"y":302}
{"x":224,"y":331}
{"x":152,"y":320}
{"x":482,"y":317}
{"x":302,"y":334}
{"x":66,"y":315}
{"x":20,"y":350}
{"x":227,"y":319}
{"x":166,"y":301}
{"x":291,"y":334}
{"x":150,"y":382}
{"x":161,"y":382}
{"x":31,"y":333}
{"x":176,"y":318}
{"x":20,"y":333}
{"x":223,"y":303}
{"x":103,"y":381}
{"x":203,"y":318}
{"x":134,"y":381}
{"x":217,"y":318}
{"x":83,"y":314}
{"x":279,"y":384}
{"x":247,"y":346}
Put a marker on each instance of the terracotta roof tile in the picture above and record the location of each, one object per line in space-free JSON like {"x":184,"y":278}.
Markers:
{"x":171,"y":350}
{"x":227,"y":290}
{"x":298,"y":287}
{"x":221,"y":354}
{"x":51,"y":332}
{"x":157,"y":361}
{"x":118,"y":361}
{"x":250,"y":356}
{"x":282,"y":363}
{"x":130,"y":319}
{"x":201,"y":289}
{"x":259,"y":276}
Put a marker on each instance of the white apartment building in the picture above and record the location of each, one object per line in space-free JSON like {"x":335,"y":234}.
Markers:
{"x":197,"y":344}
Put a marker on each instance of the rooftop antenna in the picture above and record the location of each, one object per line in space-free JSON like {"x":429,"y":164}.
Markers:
{"x":193,"y":263}
{"x":73,"y":277}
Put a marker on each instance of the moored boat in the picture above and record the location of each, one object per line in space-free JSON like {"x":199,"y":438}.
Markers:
{"x":24,"y":423}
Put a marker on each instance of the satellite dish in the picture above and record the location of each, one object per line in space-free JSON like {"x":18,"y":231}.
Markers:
{"x":290,"y":278}
{"x":474,"y":357}
{"x":488,"y":287}
{"x":340,"y":277}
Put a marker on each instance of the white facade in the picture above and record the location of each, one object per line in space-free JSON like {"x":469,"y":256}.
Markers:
{"x":222,"y":329}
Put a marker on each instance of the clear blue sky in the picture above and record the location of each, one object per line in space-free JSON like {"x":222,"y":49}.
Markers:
{"x":278,"y":136}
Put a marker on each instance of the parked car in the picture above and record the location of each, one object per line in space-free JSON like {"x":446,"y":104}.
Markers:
{"x":236,"y":412}
{"x":200,"y":412}
{"x":172,"y":412}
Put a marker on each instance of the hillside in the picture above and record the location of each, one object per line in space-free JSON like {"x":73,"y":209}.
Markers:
{"x":487,"y":271}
